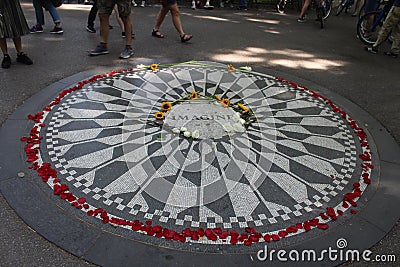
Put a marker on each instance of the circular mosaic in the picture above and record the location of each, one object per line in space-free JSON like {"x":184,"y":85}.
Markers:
{"x":298,"y":164}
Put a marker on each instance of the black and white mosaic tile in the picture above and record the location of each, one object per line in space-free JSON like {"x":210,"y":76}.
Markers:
{"x":298,"y":158}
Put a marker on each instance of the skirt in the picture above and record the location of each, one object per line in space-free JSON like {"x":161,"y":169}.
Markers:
{"x":12,"y":20}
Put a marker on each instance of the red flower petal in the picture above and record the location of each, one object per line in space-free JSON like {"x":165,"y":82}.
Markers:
{"x":323,"y":226}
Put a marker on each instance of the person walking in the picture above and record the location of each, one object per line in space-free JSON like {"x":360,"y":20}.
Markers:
{"x":172,"y":7}
{"x":391,"y":25}
{"x":48,"y":5}
{"x":12,"y":25}
{"x":105,"y":9}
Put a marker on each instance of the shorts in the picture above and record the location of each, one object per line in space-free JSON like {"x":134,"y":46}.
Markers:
{"x":107,"y":6}
{"x":168,"y":3}
{"x":371,"y":5}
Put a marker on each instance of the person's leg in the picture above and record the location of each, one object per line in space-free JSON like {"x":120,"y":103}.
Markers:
{"x":37,"y":4}
{"x":385,"y":30}
{"x":355,"y":13}
{"x":395,"y":49}
{"x":92,"y":14}
{"x":3,"y":46}
{"x":6,"y":62}
{"x":104,"y":29}
{"x":304,"y":8}
{"x":53,"y":12}
{"x":119,"y":20}
{"x":21,"y":57}
{"x":160,"y":18}
{"x":176,"y":19}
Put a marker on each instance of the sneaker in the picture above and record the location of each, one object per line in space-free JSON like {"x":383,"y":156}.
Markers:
{"x":36,"y":29}
{"x":6,"y":63}
{"x":23,"y":58}
{"x":134,"y":3}
{"x":101,"y":49}
{"x":90,"y":29}
{"x":301,"y":20}
{"x":390,"y":54}
{"x":207,"y":5}
{"x":371,"y":49}
{"x":143,"y":4}
{"x":57,"y":30}
{"x":127,"y":53}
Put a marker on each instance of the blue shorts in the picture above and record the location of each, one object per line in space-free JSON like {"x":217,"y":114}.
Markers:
{"x":168,"y":3}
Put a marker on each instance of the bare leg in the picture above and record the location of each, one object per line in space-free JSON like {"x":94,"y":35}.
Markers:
{"x":128,"y":30}
{"x":3,"y":46}
{"x":160,"y":18}
{"x":176,"y":19}
{"x":304,"y":8}
{"x":104,"y":29}
{"x":119,"y":20}
{"x":18,"y":44}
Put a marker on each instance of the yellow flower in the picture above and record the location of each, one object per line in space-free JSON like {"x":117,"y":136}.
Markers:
{"x":165,"y":106}
{"x":231,"y":68}
{"x":243,"y":107}
{"x":153,"y":67}
{"x":159,"y":115}
{"x":194,"y":95}
{"x":225,"y":102}
{"x":217,"y":97}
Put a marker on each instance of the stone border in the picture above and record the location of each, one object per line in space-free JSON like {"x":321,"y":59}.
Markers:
{"x":93,"y":244}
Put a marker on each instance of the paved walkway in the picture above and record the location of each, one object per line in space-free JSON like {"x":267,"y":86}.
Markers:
{"x":330,"y":61}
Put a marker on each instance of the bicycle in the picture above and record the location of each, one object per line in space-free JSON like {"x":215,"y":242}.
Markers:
{"x":282,"y":4}
{"x":369,"y":25}
{"x":323,"y":9}
{"x":344,"y":5}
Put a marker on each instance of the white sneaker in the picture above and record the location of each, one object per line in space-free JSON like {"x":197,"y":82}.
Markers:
{"x":134,"y":3}
{"x":143,"y":4}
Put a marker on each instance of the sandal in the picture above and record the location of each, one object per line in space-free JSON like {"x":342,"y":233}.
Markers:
{"x":186,"y":37}
{"x":157,"y":34}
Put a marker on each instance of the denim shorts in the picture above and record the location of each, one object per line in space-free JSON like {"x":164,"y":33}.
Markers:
{"x":107,"y":6}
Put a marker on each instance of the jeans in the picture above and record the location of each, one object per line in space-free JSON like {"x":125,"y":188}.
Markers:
{"x":39,"y":5}
{"x":242,"y":3}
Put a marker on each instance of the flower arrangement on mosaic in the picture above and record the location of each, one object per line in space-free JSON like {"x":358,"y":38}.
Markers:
{"x":243,"y":117}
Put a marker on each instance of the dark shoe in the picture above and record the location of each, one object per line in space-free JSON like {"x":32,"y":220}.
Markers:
{"x":390,"y":54}
{"x":6,"y":63}
{"x":101,"y":49}
{"x":23,"y":58}
{"x":186,"y":37}
{"x":90,"y":29}
{"x":371,"y":49}
{"x":36,"y":29}
{"x":157,"y":34}
{"x":57,"y":30}
{"x":127,"y":53}
{"x":301,"y":20}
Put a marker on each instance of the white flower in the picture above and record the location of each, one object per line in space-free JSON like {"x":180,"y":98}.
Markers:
{"x":238,"y":127}
{"x":246,"y":68}
{"x":195,"y":134}
{"x":228,"y":127}
{"x":176,"y":130}
{"x":187,"y":134}
{"x":141,"y":66}
{"x":242,"y":121}
{"x":183,"y":129}
{"x":217,"y":103}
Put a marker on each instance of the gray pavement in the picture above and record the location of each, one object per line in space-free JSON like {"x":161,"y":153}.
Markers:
{"x":332,"y":58}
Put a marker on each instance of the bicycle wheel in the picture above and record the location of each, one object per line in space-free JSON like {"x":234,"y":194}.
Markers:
{"x":328,"y":9}
{"x":340,"y":7}
{"x":280,"y":6}
{"x":368,"y":27}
